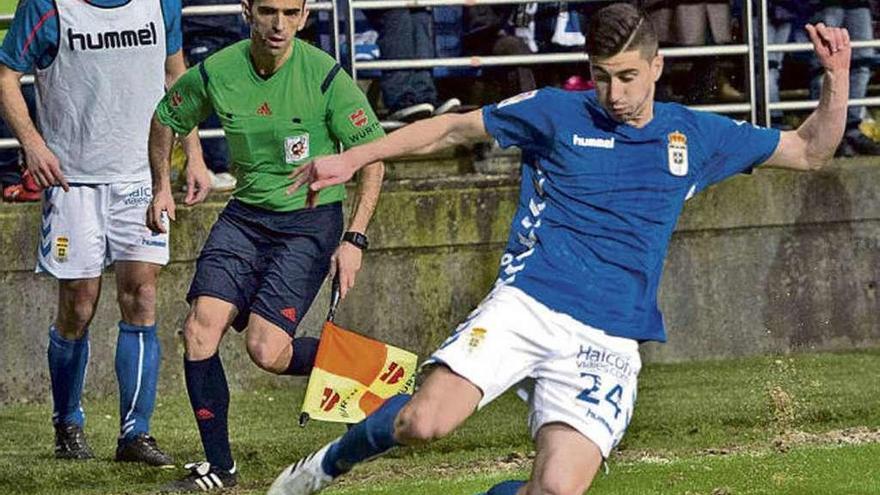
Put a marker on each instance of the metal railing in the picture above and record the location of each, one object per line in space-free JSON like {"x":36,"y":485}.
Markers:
{"x":766,"y":105}
{"x":757,"y":105}
{"x":545,"y":58}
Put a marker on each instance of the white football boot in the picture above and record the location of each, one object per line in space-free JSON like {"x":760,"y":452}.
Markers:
{"x":304,"y":477}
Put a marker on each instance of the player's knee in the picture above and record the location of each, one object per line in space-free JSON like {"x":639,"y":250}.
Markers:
{"x":76,"y":310}
{"x":137,"y":300}
{"x":199,"y":338}
{"x":418,"y":424}
{"x":266,"y":356}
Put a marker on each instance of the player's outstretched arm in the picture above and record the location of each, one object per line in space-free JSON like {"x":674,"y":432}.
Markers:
{"x":420,"y":138}
{"x":160,"y":145}
{"x":812,"y":145}
{"x":40,"y":161}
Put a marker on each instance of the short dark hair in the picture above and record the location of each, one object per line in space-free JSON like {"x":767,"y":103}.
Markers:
{"x":620,"y":27}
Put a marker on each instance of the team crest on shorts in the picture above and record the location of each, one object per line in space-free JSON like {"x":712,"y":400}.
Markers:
{"x":62,"y":248}
{"x":678,"y":153}
{"x":478,"y":334}
{"x":296,"y":148}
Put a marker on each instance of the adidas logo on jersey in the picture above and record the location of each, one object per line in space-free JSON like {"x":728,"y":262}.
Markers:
{"x":110,"y":40}
{"x":204,"y":414}
{"x":264,"y":109}
{"x":592,"y":142}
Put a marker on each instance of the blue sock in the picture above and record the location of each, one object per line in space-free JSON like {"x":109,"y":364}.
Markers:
{"x":209,"y":397}
{"x":304,"y":351}
{"x":369,"y":438}
{"x":67,"y":368}
{"x":137,"y":371}
{"x":509,"y":487}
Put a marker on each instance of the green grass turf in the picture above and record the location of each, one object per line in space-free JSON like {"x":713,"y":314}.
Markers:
{"x":721,"y":427}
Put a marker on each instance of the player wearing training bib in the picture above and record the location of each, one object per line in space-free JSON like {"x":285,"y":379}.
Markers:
{"x":100,"y":65}
{"x":605,"y":175}
{"x":281,"y":102}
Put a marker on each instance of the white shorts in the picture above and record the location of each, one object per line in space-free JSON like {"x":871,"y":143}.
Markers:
{"x":92,"y":225}
{"x":582,"y":377}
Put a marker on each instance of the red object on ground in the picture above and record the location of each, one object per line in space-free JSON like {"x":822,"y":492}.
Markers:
{"x":26,"y":192}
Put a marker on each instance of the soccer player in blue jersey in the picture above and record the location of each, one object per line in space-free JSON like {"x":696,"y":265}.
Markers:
{"x":605,"y":175}
{"x":101,"y":66}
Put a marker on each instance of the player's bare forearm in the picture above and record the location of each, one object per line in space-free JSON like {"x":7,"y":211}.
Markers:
{"x":422,"y":138}
{"x":824,"y":128}
{"x":14,"y":109}
{"x":369,"y":186}
{"x":813,"y":144}
{"x":160,"y":144}
{"x":192,"y":148}
{"x":426,"y":136}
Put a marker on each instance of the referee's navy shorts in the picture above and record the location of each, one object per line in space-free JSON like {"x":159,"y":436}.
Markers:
{"x":268,"y":263}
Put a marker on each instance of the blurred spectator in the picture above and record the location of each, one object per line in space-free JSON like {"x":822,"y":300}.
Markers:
{"x":524,"y":24}
{"x":660,"y":14}
{"x":406,"y":34}
{"x":489,"y":30}
{"x":780,"y":16}
{"x":692,"y":18}
{"x":14,"y":188}
{"x":692,"y":21}
{"x":567,"y":31}
{"x":202,"y":36}
{"x":855,"y":16}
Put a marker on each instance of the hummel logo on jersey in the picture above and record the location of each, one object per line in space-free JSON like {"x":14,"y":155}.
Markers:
{"x":264,"y":109}
{"x":109,"y":40}
{"x":592,"y":142}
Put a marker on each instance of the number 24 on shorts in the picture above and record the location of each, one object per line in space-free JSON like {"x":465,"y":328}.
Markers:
{"x":612,"y":397}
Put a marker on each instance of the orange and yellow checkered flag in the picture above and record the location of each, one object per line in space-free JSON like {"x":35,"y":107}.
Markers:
{"x":353,"y":375}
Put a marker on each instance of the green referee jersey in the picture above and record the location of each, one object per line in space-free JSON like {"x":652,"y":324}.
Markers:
{"x":274,"y":125}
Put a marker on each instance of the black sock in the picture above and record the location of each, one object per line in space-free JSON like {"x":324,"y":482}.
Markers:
{"x":304,"y":351}
{"x":209,"y":397}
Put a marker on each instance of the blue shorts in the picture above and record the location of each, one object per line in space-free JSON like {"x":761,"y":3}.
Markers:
{"x":268,"y":263}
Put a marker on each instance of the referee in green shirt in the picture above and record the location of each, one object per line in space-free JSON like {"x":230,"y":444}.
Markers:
{"x":282,"y":103}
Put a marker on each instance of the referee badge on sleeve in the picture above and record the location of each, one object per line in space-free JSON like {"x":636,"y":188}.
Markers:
{"x":296,"y":148}
{"x":678,"y":153}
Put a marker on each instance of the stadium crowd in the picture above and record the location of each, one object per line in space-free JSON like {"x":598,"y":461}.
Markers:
{"x":409,"y":95}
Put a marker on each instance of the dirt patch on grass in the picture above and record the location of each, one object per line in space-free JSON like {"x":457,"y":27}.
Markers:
{"x":848,"y":436}
{"x":403,"y":469}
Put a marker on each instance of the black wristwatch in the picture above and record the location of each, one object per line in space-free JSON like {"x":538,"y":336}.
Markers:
{"x":357,"y":239}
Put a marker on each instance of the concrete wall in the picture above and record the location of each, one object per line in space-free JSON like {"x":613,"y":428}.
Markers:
{"x":775,"y":262}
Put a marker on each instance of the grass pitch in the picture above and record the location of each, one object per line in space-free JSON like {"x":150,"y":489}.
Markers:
{"x":804,"y":424}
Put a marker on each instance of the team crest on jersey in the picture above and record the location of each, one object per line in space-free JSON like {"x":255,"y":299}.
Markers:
{"x":678,"y":153}
{"x":62,"y":248}
{"x":296,"y":148}
{"x":518,"y":98}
